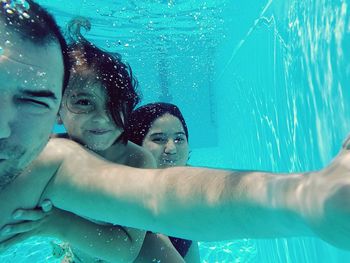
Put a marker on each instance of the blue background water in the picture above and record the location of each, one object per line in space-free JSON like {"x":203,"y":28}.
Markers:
{"x":263,"y":85}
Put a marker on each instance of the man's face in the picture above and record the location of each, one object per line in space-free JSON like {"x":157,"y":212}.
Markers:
{"x":31,"y":77}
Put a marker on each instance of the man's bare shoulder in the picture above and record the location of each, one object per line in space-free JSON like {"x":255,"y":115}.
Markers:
{"x":39,"y":173}
{"x":139,"y":156}
{"x":58,"y":149}
{"x":67,"y":162}
{"x":62,"y":146}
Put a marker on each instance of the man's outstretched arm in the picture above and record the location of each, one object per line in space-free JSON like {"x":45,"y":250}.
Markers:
{"x":184,"y":201}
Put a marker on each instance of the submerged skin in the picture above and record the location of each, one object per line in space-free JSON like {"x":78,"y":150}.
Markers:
{"x":86,"y":117}
{"x":157,"y":199}
{"x":167,"y":141}
{"x":87,"y":120}
{"x":179,"y":201}
{"x":26,"y":60}
{"x":31,"y":94}
{"x":30,"y":98}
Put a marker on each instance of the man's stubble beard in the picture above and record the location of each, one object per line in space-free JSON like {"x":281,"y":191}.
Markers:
{"x":19,"y":160}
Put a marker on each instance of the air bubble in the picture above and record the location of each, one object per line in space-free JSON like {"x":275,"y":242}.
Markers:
{"x":8,"y":43}
{"x":17,"y":6}
{"x":25,"y":15}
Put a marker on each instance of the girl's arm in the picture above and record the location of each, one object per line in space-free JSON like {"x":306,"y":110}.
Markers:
{"x":107,"y":242}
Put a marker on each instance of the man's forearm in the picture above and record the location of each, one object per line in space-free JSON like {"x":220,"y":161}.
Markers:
{"x":182,"y":201}
{"x":204,"y":204}
{"x":229,"y":204}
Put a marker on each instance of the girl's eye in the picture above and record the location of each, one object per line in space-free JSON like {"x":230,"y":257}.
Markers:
{"x":83,"y":102}
{"x":158,"y":140}
{"x":179,"y":140}
{"x":80,"y":105}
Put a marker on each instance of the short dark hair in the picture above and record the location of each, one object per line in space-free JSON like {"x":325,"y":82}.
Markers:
{"x":115,"y":75}
{"x":35,"y":24}
{"x":141,"y":119}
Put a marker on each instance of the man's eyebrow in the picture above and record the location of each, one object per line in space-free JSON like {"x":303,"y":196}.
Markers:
{"x":39,"y":93}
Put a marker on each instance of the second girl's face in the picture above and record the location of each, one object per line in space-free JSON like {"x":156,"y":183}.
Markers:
{"x":86,"y":117}
{"x":167,"y":142}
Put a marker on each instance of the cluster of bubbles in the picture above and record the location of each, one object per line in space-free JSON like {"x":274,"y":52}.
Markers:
{"x":16,"y":6}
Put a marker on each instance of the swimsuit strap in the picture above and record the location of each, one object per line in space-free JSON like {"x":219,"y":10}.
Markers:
{"x":182,"y":245}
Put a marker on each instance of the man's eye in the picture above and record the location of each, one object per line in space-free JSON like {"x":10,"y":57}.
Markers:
{"x":33,"y":102}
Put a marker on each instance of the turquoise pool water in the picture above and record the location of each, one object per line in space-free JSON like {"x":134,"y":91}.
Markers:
{"x":263,"y":85}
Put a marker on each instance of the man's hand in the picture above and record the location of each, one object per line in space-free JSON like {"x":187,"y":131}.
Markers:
{"x":325,"y":200}
{"x":29,"y":224}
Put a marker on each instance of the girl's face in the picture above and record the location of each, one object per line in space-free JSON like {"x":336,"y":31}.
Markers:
{"x":167,"y":141}
{"x":85,"y":115}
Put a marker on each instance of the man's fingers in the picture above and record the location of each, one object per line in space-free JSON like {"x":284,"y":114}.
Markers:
{"x":19,"y":228}
{"x":28,"y":215}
